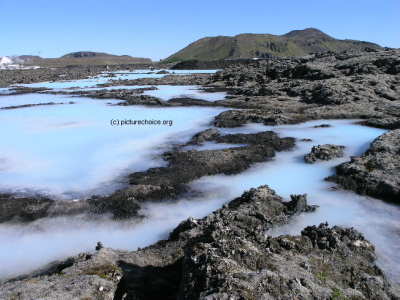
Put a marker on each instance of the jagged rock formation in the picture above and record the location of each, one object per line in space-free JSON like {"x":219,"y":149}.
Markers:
{"x":225,"y":255}
{"x":376,"y":172}
{"x":23,"y":208}
{"x":323,"y":152}
{"x":351,"y":84}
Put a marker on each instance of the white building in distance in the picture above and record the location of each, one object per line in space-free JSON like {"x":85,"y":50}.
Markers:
{"x":7,"y":63}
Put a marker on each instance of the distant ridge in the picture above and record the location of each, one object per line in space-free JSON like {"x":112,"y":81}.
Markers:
{"x":83,"y":54}
{"x":84,"y":58}
{"x":291,"y":44}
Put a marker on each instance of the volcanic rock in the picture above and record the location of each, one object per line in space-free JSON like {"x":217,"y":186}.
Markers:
{"x":323,"y":152}
{"x":376,"y":172}
{"x":225,"y":255}
{"x":187,"y":165}
{"x":352,"y":84}
{"x":23,"y":209}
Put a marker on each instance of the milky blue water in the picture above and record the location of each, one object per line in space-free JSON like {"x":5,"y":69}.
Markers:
{"x":5,"y":91}
{"x":120,"y":75}
{"x":167,"y":92}
{"x":290,"y":166}
{"x":73,"y":150}
{"x":163,"y":92}
{"x":118,"y":87}
{"x":67,"y":84}
{"x":24,"y":99}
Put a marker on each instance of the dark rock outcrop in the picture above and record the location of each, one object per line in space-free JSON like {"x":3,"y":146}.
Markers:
{"x":352,"y":84}
{"x":172,"y":79}
{"x":375,"y":173}
{"x":205,"y":136}
{"x":23,"y":208}
{"x":323,"y":152}
{"x":225,"y":255}
{"x":237,"y":118}
{"x":15,"y":208}
{"x":185,"y":166}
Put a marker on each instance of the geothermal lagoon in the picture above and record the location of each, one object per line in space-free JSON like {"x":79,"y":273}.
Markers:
{"x":72,"y":151}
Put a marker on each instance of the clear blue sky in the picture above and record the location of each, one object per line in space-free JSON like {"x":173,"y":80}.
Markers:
{"x":158,"y":28}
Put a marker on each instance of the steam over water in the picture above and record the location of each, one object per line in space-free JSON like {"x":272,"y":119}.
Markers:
{"x":72,"y":150}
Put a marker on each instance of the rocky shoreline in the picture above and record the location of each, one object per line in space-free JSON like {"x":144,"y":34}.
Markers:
{"x":375,"y":173}
{"x":184,"y":166}
{"x":10,"y":77}
{"x":226,"y":255}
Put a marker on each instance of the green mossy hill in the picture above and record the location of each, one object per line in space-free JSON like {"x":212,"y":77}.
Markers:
{"x":294,"y":43}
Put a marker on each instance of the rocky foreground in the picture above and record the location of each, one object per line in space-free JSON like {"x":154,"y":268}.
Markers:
{"x":225,"y":255}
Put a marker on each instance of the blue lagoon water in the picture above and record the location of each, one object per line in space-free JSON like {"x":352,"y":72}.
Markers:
{"x":72,"y":151}
{"x":105,"y":78}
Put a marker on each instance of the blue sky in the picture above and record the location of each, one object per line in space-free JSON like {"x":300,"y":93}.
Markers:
{"x":158,"y":28}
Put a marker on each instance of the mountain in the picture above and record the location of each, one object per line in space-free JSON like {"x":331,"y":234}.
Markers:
{"x":294,"y":43}
{"x":82,"y":54}
{"x":84,"y":58}
{"x":29,"y":57}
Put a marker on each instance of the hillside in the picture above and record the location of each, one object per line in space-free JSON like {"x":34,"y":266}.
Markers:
{"x":294,"y":43}
{"x":84,"y":58}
